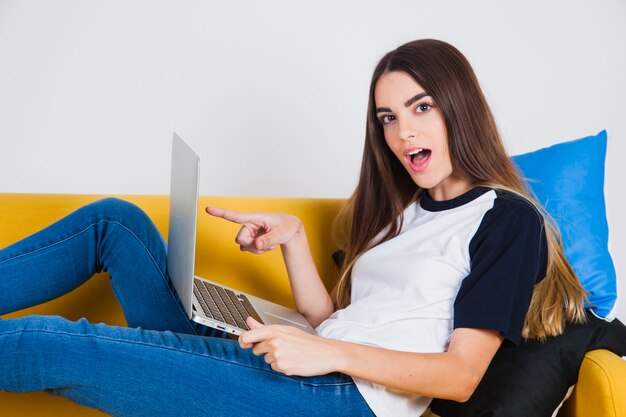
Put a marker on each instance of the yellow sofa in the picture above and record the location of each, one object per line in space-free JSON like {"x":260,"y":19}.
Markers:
{"x":601,"y":390}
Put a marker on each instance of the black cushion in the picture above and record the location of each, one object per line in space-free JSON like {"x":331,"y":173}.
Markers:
{"x":533,"y":378}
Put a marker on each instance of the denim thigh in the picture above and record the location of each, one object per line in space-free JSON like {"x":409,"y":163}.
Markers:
{"x":135,"y":372}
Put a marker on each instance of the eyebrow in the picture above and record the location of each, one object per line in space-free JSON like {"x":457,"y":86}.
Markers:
{"x":406,"y":103}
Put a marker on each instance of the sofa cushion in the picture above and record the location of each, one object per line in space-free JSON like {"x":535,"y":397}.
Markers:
{"x":532,"y":379}
{"x":568,"y":179}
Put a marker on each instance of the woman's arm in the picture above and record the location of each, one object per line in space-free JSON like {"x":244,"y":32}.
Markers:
{"x":261,"y":232}
{"x":453,"y":375}
{"x":310,"y":294}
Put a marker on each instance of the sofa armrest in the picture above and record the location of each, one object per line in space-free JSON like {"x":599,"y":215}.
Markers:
{"x":601,"y":387}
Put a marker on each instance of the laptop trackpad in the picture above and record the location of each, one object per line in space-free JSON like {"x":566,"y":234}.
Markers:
{"x":272,"y":313}
{"x":271,"y":318}
{"x":274,"y":319}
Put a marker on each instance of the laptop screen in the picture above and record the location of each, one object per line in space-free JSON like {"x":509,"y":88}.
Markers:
{"x":183,"y":220}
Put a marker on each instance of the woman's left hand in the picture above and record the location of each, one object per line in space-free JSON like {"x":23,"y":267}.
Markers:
{"x":289,"y":350}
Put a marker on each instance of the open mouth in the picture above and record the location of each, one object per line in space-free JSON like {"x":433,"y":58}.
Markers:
{"x":418,"y":158}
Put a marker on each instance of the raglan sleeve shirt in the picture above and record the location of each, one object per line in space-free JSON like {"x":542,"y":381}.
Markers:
{"x":508,"y":256}
{"x":468,"y":262}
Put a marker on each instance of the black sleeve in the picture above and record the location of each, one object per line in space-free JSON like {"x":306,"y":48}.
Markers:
{"x":508,"y":255}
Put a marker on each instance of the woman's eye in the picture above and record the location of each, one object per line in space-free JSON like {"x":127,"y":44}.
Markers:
{"x":386,"y":119}
{"x":421,"y":108}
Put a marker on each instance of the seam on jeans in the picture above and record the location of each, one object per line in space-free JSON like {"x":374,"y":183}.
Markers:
{"x":72,"y":236}
{"x":92,"y":224}
{"x":88,"y":402}
{"x":51,"y":244}
{"x":156,"y":346}
{"x":156,"y":265}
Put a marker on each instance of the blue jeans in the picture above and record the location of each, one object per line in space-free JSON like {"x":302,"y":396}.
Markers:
{"x":162,"y":364}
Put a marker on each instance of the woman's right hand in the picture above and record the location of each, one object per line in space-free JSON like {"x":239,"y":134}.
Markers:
{"x":260,"y":232}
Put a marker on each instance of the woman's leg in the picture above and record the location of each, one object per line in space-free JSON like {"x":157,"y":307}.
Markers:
{"x":133,"y":372}
{"x":107,"y":235}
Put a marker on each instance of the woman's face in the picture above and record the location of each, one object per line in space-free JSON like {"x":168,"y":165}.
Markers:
{"x":416,"y":133}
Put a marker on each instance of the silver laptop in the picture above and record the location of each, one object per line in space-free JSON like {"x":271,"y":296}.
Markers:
{"x":208,"y":302}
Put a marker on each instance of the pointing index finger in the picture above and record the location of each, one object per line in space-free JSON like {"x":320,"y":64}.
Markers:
{"x":232,"y":216}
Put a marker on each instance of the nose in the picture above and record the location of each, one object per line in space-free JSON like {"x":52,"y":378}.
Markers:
{"x":406,"y":129}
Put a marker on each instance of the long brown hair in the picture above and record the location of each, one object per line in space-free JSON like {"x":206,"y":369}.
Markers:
{"x":477,"y":153}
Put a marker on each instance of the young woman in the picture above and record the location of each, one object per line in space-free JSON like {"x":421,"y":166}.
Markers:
{"x":446,"y":256}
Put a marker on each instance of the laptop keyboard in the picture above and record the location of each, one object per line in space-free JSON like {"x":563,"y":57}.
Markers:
{"x":223,"y":304}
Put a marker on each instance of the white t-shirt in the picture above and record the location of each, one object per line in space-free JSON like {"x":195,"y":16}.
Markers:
{"x":404,"y":290}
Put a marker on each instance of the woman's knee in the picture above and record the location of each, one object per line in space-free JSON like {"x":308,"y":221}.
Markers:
{"x":116,"y":209}
{"x":115,"y":206}
{"x":130,"y":216}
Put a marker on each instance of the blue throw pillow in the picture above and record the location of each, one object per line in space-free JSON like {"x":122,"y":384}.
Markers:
{"x":568,"y":179}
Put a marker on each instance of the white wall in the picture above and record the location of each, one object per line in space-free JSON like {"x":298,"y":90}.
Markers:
{"x":272,"y":94}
